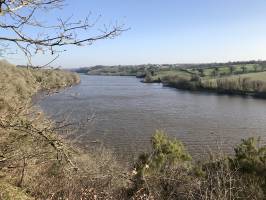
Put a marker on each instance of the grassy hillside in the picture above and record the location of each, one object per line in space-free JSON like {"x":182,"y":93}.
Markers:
{"x":138,"y":70}
{"x":113,"y":70}
{"x":249,"y":83}
{"x":249,"y":79}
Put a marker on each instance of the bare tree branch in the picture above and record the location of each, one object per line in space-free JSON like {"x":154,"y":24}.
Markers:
{"x":18,"y":18}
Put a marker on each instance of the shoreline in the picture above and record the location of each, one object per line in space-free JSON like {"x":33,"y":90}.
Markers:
{"x":211,"y":91}
{"x":197,"y":89}
{"x":220,"y":92}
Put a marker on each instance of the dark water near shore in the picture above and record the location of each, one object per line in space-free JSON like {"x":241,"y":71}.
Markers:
{"x":127,"y":112}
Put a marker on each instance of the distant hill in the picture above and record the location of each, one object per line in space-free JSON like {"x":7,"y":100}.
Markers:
{"x":141,"y":70}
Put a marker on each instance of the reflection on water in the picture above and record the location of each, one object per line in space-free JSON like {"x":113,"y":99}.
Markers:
{"x":127,"y":112}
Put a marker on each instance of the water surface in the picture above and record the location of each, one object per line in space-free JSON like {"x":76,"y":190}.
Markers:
{"x":127,"y":112}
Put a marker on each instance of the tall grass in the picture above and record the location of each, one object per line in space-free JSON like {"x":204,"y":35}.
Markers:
{"x":249,"y":83}
{"x":235,"y":84}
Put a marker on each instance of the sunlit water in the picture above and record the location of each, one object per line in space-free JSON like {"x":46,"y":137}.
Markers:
{"x":127,"y":112}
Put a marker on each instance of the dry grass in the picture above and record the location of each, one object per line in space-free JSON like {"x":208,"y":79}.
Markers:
{"x":246,"y":83}
{"x":10,"y":192}
{"x":259,"y":76}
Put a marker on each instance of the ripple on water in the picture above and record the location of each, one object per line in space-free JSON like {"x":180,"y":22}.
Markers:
{"x":128,"y":112}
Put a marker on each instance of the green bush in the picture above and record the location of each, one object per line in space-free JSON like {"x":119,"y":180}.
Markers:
{"x":165,"y":152}
{"x":251,"y":157}
{"x":166,"y":173}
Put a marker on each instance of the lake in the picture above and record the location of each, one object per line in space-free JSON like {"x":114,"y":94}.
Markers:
{"x":122,"y":114}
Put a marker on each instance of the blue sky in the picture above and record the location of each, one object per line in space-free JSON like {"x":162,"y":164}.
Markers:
{"x":169,"y":31}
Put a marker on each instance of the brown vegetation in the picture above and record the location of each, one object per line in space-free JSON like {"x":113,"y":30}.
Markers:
{"x":33,"y":160}
{"x":35,"y":163}
{"x":220,"y":177}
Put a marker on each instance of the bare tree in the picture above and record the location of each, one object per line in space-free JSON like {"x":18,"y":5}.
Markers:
{"x":18,"y":17}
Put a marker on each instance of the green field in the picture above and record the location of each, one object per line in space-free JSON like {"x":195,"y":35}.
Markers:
{"x":234,"y":77}
{"x":238,"y":78}
{"x":160,"y":75}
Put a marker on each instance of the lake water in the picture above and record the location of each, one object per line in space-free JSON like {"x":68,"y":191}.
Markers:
{"x":126,"y":113}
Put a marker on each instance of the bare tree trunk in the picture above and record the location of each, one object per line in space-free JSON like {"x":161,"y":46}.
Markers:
{"x":22,"y":172}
